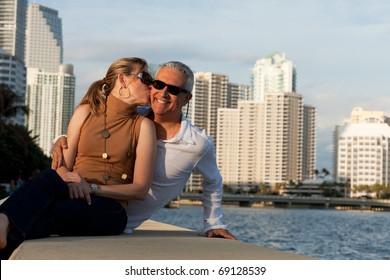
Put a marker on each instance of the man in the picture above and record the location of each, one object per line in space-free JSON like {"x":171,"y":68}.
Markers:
{"x":181,"y":149}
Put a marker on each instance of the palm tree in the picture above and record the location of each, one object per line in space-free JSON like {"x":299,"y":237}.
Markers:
{"x":10,"y":105}
{"x":325,"y":171}
{"x":17,"y":149}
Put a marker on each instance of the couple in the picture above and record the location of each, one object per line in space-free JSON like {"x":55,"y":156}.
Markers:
{"x":111,"y":183}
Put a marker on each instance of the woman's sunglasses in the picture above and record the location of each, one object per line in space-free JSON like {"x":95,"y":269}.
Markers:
{"x":145,"y":77}
{"x":157,"y":84}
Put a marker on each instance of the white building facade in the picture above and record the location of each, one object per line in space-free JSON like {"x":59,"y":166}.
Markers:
{"x":261,"y":142}
{"x":274,"y":73}
{"x":361,"y":150}
{"x":271,"y":139}
{"x":50,"y":84}
{"x":50,"y":97}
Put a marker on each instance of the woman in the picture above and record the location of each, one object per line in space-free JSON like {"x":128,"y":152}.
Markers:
{"x":109,"y":160}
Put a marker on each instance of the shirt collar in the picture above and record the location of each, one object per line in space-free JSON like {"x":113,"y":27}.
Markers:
{"x":184,"y":135}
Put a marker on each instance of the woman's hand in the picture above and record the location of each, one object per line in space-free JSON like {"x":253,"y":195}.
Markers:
{"x":78,"y":187}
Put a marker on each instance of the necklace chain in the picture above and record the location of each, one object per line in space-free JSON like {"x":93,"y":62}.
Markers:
{"x":105,"y":134}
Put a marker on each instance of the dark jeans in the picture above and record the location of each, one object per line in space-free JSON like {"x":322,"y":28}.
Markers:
{"x":42,"y":207}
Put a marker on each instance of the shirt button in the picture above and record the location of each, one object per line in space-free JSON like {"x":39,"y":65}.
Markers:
{"x":105,"y":155}
{"x":124,"y":176}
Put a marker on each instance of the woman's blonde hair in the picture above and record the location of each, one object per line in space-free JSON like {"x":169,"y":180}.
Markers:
{"x":100,"y":89}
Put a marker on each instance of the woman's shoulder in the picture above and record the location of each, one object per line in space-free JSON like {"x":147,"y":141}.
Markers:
{"x":80,"y":114}
{"x":145,"y":123}
{"x":146,"y":127}
{"x":83,"y":109}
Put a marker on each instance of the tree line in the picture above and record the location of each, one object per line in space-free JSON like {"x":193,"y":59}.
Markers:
{"x":19,"y":154}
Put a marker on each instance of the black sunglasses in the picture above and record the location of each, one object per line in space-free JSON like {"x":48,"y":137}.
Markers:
{"x":157,"y":84}
{"x":145,"y":77}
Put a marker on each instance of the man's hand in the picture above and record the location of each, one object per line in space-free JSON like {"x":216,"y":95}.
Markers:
{"x":220,"y":233}
{"x":57,"y":154}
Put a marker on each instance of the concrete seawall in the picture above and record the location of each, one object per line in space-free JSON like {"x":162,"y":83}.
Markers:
{"x":151,"y":241}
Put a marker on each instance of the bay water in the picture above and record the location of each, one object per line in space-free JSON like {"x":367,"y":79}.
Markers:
{"x":319,"y":233}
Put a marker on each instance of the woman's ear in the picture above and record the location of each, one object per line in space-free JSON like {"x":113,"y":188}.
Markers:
{"x":121,"y":78}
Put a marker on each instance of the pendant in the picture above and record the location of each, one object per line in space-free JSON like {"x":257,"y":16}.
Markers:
{"x":105,"y":134}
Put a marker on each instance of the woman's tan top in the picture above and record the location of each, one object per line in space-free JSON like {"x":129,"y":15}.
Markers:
{"x":124,"y":126}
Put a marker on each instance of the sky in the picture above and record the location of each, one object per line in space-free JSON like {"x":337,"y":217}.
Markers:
{"x":340,"y":48}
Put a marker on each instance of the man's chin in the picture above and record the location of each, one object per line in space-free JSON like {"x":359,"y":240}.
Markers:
{"x":159,"y":111}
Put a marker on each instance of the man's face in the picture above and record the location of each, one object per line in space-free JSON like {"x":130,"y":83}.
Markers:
{"x":164,"y":103}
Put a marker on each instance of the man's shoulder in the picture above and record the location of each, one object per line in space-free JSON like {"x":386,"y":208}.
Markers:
{"x":199,"y":135}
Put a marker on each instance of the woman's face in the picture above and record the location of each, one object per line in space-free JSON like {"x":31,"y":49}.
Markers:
{"x":138,"y":88}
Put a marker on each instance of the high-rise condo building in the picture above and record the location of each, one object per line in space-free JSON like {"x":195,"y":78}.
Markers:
{"x":211,"y":91}
{"x":261,"y":142}
{"x":274,"y":73}
{"x":309,"y":142}
{"x":237,"y":92}
{"x":283,"y":137}
{"x":271,"y":139}
{"x":44,"y":45}
{"x":361,"y":150}
{"x":50,"y":84}
{"x":12,"y":40}
{"x":240,"y":146}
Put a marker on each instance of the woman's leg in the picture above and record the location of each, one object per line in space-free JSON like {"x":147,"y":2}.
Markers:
{"x":30,"y":201}
{"x":104,"y":216}
{"x":27,"y":204}
{"x":45,"y":209}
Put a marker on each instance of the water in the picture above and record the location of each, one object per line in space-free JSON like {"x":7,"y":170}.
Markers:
{"x":322,"y":234}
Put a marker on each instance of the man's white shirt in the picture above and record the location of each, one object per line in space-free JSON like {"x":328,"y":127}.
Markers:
{"x":190,"y":150}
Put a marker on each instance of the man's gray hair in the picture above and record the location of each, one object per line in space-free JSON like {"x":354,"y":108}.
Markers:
{"x":181,"y":68}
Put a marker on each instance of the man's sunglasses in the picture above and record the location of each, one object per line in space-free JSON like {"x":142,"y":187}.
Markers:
{"x":145,"y":77}
{"x":157,"y":84}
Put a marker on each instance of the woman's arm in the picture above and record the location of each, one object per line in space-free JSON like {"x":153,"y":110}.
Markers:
{"x":73,"y":135}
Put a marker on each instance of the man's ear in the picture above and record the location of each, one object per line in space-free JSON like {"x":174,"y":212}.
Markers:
{"x":188,"y":97}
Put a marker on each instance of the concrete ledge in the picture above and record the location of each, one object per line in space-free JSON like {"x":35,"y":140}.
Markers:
{"x":151,"y":241}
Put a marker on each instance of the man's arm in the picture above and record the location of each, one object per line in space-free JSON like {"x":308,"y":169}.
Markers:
{"x":212,"y":195}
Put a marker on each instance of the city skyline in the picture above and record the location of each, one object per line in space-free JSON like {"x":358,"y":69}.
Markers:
{"x":338,"y":47}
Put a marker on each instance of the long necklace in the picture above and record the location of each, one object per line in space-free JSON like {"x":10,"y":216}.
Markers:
{"x":105,"y":134}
